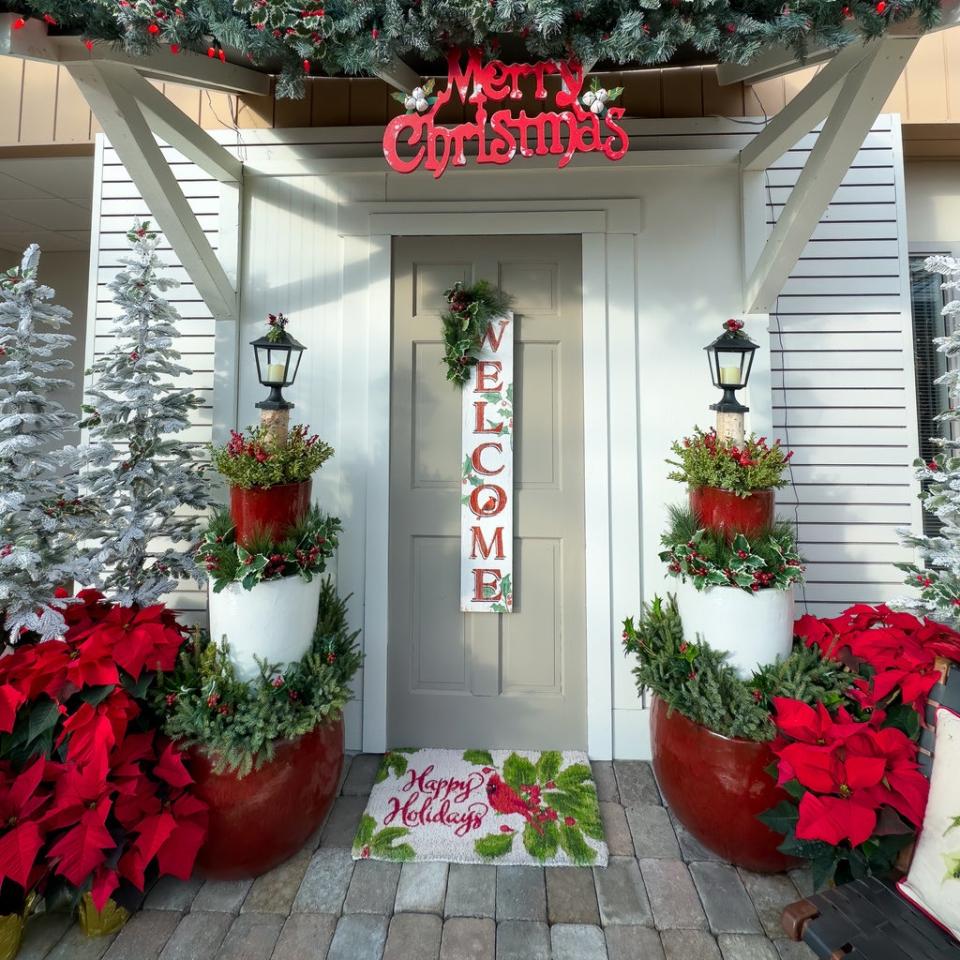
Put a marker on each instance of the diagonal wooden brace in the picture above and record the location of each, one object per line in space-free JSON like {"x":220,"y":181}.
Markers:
{"x":110,"y":91}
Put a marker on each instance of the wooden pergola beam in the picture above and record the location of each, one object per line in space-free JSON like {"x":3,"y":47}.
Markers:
{"x":857,"y":105}
{"x":778,"y":60}
{"x":804,"y":112}
{"x":32,"y":42}
{"x":107,"y":88}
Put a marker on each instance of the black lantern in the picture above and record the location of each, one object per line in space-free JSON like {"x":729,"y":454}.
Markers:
{"x":278,"y":359}
{"x":730,"y":357}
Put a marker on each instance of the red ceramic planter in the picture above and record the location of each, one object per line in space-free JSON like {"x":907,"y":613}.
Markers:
{"x":268,"y":509}
{"x":264,"y":818}
{"x":727,"y":513}
{"x":716,"y":786}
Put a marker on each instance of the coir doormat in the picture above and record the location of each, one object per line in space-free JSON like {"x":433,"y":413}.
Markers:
{"x":483,"y":806}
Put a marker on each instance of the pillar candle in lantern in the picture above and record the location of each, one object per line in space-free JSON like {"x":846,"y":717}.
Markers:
{"x":728,"y":374}
{"x":275,"y":372}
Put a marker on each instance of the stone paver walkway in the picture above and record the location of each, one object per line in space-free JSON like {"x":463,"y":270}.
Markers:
{"x":663,"y":897}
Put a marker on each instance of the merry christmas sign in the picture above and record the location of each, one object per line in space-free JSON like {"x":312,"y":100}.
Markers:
{"x":483,"y":806}
{"x":583,"y":121}
{"x":486,"y":495}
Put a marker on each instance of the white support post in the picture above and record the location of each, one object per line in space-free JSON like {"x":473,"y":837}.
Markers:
{"x":804,"y":112}
{"x":861,"y":97}
{"x":117,"y":110}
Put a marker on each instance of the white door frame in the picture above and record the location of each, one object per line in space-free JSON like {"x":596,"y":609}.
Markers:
{"x":608,"y":231}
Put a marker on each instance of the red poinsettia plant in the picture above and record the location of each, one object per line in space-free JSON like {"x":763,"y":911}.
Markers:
{"x":92,"y":799}
{"x":857,"y":792}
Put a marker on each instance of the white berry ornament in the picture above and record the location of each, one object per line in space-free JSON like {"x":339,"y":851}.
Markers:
{"x":419,"y":99}
{"x":597,"y":98}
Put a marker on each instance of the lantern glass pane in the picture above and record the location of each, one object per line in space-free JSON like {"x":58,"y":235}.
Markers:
{"x":295,"y":356}
{"x":730,"y":367}
{"x":275,"y":367}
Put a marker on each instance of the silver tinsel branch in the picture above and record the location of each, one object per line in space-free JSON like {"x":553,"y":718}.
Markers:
{"x":136,"y":408}
{"x":936,"y":573}
{"x":43,"y":515}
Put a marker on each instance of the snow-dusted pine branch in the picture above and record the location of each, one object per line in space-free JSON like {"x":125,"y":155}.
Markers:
{"x":42,"y":516}
{"x":136,"y":407}
{"x":936,"y":573}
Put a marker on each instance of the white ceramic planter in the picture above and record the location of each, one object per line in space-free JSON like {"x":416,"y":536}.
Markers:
{"x":755,"y":628}
{"x":274,"y":621}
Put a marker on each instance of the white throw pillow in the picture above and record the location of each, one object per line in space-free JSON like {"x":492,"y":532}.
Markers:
{"x":933,"y":883}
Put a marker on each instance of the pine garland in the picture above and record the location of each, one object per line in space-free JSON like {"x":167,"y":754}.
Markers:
{"x":355,"y":36}
{"x":465,"y":321}
{"x":238,"y":724}
{"x":692,"y":677}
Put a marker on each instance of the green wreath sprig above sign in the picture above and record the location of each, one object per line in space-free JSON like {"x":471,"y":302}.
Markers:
{"x":469,"y":312}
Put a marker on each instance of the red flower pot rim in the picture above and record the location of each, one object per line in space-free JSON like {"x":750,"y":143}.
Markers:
{"x":736,"y":493}
{"x":713,"y":733}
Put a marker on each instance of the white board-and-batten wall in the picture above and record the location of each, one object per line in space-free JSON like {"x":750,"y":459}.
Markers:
{"x":661,"y":269}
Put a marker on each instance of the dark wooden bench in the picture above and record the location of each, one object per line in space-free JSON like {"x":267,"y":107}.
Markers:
{"x":868,"y":919}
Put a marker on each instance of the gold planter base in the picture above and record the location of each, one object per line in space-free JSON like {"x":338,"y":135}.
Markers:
{"x":100,"y":923}
{"x":11,"y":935}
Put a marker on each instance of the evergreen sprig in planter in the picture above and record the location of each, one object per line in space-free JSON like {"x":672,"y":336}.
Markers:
{"x":270,"y":481}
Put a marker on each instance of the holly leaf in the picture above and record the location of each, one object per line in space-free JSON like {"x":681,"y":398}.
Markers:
{"x":494,"y":845}
{"x":385,"y":847}
{"x":541,"y":844}
{"x":573,"y":776}
{"x":479,"y":758}
{"x":364,"y":832}
{"x":575,"y":847}
{"x":518,"y":771}
{"x":548,"y":766}
{"x":394,"y":761}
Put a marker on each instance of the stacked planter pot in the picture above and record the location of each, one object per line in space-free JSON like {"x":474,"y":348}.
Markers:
{"x":276,"y":619}
{"x":717,"y":785}
{"x":755,"y":627}
{"x":260,"y":820}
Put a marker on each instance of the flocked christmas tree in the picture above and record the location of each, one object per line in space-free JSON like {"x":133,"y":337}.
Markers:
{"x":135,"y":407}
{"x":936,"y":574}
{"x":41,"y":517}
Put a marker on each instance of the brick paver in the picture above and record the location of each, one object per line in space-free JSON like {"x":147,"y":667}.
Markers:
{"x":662,"y":897}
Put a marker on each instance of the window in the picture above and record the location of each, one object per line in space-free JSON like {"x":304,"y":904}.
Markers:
{"x":928,"y":322}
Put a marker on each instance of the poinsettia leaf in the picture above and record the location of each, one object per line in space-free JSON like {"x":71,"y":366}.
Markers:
{"x":10,"y":701}
{"x":795,"y":788}
{"x":823,"y":869}
{"x":170,"y":768}
{"x":81,"y":850}
{"x":494,"y":845}
{"x":43,"y":718}
{"x":105,"y":882}
{"x":95,"y":695}
{"x":177,"y":856}
{"x":575,"y":847}
{"x":541,"y":843}
{"x":782,"y":818}
{"x":18,"y":852}
{"x":518,"y":771}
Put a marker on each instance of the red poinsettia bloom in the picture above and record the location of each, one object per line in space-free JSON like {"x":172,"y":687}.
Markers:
{"x":835,"y":819}
{"x":10,"y":701}
{"x":94,"y":730}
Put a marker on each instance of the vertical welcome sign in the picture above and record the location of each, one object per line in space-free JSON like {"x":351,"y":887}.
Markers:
{"x":486,"y":503}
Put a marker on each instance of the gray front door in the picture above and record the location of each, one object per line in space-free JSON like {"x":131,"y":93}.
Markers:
{"x":488,"y":680}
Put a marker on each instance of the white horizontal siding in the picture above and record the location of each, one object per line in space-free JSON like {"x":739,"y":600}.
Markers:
{"x":842,"y":379}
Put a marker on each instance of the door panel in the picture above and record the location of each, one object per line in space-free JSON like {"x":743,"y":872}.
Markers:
{"x":488,"y":680}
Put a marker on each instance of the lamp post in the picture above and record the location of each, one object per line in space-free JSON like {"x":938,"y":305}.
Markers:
{"x":278,"y":359}
{"x":730,"y":357}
